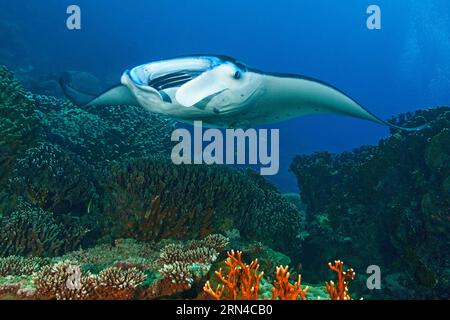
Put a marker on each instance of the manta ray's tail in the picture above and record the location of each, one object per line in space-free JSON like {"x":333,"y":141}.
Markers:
{"x":83,"y":89}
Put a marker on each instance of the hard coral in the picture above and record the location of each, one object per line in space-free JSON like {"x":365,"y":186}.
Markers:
{"x":241,"y":283}
{"x":34,"y":232}
{"x":339,"y":291}
{"x":118,"y":284}
{"x":19,"y":125}
{"x":153,"y":199}
{"x":16,"y":265}
{"x":283,"y":289}
{"x":66,"y":281}
{"x":388,"y":204}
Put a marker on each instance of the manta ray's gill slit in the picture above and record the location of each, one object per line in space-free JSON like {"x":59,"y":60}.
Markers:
{"x":170,"y":80}
{"x":173,"y":79}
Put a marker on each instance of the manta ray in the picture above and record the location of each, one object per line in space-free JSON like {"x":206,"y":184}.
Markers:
{"x":223,"y":92}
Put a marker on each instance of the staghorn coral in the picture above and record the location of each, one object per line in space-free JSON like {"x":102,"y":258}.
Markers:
{"x":339,"y":291}
{"x":153,"y":199}
{"x":32,"y":231}
{"x":241,"y":283}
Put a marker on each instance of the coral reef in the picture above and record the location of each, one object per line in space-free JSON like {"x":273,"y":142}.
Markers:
{"x":31,"y":231}
{"x":386,"y":205}
{"x":152,"y":199}
{"x":110,"y":168}
{"x":53,"y":179}
{"x":19,"y":125}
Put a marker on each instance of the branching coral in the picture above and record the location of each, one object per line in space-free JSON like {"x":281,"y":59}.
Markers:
{"x":66,"y":281}
{"x":339,"y":291}
{"x":181,"y":266}
{"x":16,"y":266}
{"x":283,"y":289}
{"x":118,"y":284}
{"x":35,"y":232}
{"x":241,"y":283}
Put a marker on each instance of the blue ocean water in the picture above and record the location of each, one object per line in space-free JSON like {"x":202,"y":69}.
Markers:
{"x":402,"y":67}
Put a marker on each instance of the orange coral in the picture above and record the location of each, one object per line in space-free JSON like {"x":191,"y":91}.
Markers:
{"x":241,"y":283}
{"x":283,"y":289}
{"x":340,"y":291}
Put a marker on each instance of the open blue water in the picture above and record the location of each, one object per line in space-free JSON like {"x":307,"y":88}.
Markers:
{"x":402,"y":67}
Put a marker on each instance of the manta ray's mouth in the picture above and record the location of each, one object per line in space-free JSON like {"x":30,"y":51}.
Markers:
{"x":174,"y":79}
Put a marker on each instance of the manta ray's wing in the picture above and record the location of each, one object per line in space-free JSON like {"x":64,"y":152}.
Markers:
{"x":117,"y":95}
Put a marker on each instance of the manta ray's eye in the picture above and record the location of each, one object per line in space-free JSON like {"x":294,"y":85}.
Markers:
{"x":237,"y":75}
